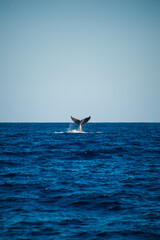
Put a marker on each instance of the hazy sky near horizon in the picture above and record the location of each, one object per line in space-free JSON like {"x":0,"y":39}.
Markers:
{"x":91,"y":57}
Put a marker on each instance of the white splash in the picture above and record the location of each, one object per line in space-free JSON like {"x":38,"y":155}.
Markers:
{"x":75,"y":131}
{"x":70,"y":130}
{"x":59,"y":132}
{"x":70,"y":127}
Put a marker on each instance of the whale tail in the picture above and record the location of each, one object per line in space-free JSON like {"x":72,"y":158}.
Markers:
{"x":80,"y":122}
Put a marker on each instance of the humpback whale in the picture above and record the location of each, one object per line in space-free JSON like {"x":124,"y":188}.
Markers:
{"x":81,"y":122}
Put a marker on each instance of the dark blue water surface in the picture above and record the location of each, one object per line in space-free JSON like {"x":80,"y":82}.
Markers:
{"x":102,"y":184}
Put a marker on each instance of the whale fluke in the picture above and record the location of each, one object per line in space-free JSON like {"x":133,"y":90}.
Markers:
{"x":81,"y":122}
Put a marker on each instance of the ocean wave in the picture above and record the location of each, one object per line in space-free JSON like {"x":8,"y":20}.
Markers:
{"x":63,"y":185}
{"x":85,"y":154}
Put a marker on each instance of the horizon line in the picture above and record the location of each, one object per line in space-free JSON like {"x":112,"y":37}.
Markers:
{"x":73,"y":123}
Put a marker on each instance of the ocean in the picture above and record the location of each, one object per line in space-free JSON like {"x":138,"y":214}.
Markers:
{"x":56,"y":183}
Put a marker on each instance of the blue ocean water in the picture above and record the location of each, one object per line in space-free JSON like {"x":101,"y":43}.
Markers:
{"x":56,"y":183}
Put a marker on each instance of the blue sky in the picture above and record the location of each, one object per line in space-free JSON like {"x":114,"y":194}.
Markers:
{"x":90,"y":57}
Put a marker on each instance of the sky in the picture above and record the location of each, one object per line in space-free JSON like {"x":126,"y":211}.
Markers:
{"x":98,"y":58}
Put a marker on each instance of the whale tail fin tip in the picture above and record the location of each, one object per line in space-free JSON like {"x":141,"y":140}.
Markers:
{"x":75,"y":120}
{"x":85,"y":120}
